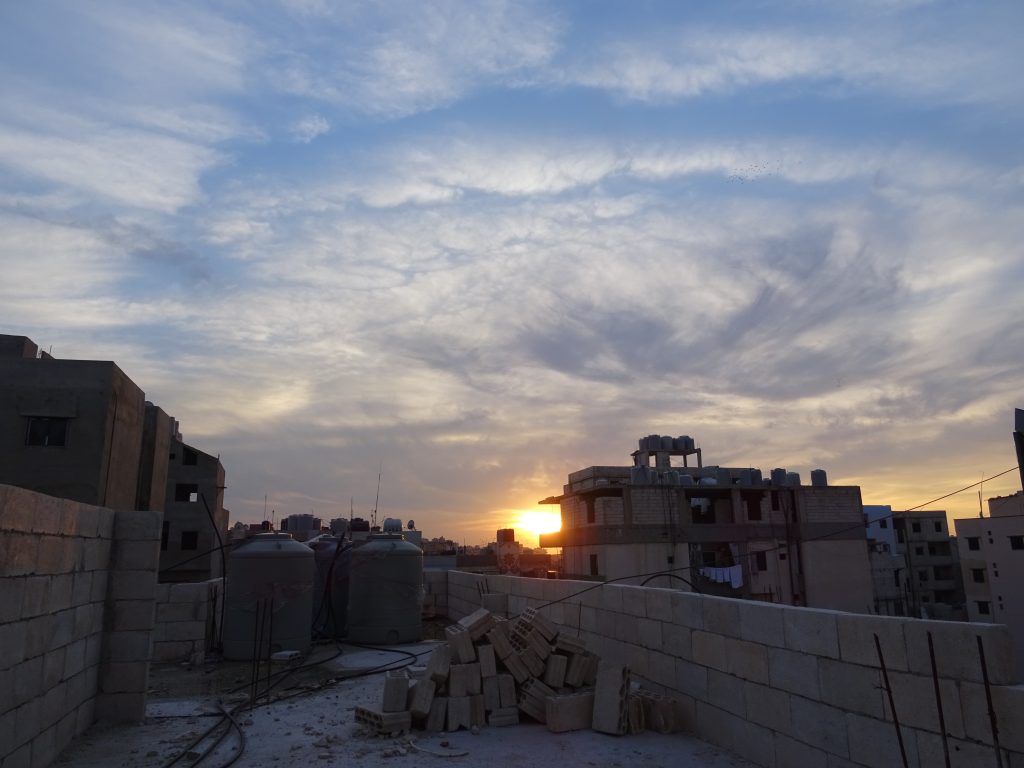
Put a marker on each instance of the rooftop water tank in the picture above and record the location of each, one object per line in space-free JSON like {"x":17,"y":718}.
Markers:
{"x":385,"y":591}
{"x":793,"y":479}
{"x":270,"y":577}
{"x":778,"y":476}
{"x":818,"y":478}
{"x":333,"y":560}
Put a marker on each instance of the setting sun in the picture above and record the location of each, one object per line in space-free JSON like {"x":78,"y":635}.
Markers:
{"x":539,"y":522}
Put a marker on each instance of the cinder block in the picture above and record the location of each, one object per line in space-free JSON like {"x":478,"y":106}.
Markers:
{"x":133,"y":585}
{"x":532,"y":697}
{"x":956,"y":650}
{"x":532,"y":662}
{"x":439,"y":664}
{"x":610,"y":695}
{"x":461,"y":644}
{"x":488,"y":667}
{"x":916,"y":707}
{"x":134,"y":614}
{"x":871,"y":745}
{"x":768,"y":707}
{"x":650,"y":633}
{"x":747,"y":660}
{"x":125,"y":677}
{"x":709,"y":650}
{"x":514,"y":664}
{"x":491,"y":694}
{"x":36,"y":591}
{"x":829,"y":726}
{"x":495,"y":603}
{"x":391,"y":723}
{"x":554,"y":671}
{"x":1008,"y":703}
{"x":813,"y":631}
{"x":473,"y":679}
{"x":19,"y":552}
{"x":793,"y":672}
{"x":28,"y":680}
{"x":571,"y":712}
{"x":458,"y":681}
{"x":396,"y":691}
{"x":74,"y":658}
{"x":61,"y":586}
{"x":677,"y":640}
{"x":507,"y":691}
{"x":53,"y":668}
{"x":726,"y":692}
{"x":477,"y":712}
{"x":478,"y":623}
{"x":121,"y":707}
{"x":722,"y":615}
{"x":504,"y":717}
{"x":762,"y":623}
{"x":423,"y":693}
{"x":691,"y":679}
{"x":437,"y":715}
{"x":459,"y":713}
{"x":138,"y":525}
{"x":790,"y":753}
{"x":857,"y":640}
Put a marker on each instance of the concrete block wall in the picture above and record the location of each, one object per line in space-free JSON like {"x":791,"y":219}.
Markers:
{"x":435,"y":582}
{"x":785,"y":686}
{"x":187,"y":620}
{"x":75,"y":620}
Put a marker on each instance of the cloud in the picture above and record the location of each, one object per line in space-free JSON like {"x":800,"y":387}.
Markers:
{"x":399,"y":59}
{"x":308,"y":128}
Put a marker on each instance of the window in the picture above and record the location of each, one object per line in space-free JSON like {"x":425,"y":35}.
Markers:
{"x":925,"y":599}
{"x":47,"y":431}
{"x":883,"y":523}
{"x":164,"y":535}
{"x":922,"y":575}
{"x":775,"y":500}
{"x":918,"y":550}
{"x":186,"y":492}
{"x":938,"y":526}
{"x":782,"y":556}
{"x":978,"y":575}
{"x":974,"y":542}
{"x":896,"y":578}
{"x":915,"y":527}
{"x":593,"y":565}
{"x":753,"y":506}
{"x":983,"y":607}
{"x":761,"y":560}
{"x":1017,"y":542}
{"x":591,"y":517}
{"x":190,"y":540}
{"x":189,"y":457}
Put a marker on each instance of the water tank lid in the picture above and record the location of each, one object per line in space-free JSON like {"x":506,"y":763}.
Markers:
{"x":278,"y":544}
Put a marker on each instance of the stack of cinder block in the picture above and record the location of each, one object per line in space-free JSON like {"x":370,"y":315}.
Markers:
{"x":491,"y":670}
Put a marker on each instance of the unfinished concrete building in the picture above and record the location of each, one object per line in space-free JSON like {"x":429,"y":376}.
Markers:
{"x":195,"y":522}
{"x":670,"y":521}
{"x":79,"y":430}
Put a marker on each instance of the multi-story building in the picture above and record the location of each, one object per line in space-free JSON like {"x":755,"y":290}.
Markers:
{"x":82,"y":430}
{"x":719,"y":530}
{"x":195,"y":521}
{"x":79,"y":430}
{"x":915,"y":565}
{"x":992,"y":562}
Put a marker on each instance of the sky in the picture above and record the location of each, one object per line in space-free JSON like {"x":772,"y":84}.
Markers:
{"x":472,"y":247}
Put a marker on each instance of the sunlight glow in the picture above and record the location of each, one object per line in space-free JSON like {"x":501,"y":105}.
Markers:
{"x":539,"y":522}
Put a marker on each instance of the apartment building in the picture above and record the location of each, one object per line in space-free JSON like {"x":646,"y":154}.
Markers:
{"x":668,"y":520}
{"x":79,"y":430}
{"x":992,"y":562}
{"x":915,"y":564}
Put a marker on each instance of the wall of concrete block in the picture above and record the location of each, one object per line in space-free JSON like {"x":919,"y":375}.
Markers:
{"x":785,"y":686}
{"x":77,"y":586}
{"x":188,"y":620}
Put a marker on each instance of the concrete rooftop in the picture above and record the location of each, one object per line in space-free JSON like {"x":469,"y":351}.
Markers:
{"x":318,"y":728}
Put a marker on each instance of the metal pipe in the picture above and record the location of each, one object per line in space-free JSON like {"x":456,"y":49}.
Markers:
{"x":892,"y":704}
{"x":938,"y":701}
{"x":991,"y":709}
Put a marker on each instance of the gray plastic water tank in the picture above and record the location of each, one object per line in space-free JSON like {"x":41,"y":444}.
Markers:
{"x":333,"y":559}
{"x":819,"y":479}
{"x":385,"y":591}
{"x":274,"y":573}
{"x":778,"y":476}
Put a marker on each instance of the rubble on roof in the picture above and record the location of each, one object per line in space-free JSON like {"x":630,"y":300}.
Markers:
{"x":491,"y":671}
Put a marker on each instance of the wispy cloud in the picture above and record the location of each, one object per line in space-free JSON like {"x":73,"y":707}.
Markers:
{"x":308,"y":128}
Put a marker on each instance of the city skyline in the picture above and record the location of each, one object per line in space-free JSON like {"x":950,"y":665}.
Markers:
{"x":474,"y":249}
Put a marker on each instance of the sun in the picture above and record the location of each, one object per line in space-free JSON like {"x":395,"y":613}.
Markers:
{"x":540,"y":522}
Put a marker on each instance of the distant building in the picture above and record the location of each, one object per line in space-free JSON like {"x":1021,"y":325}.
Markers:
{"x":302,"y":527}
{"x":79,"y":430}
{"x":992,"y":563}
{"x":724,"y":531}
{"x":916,"y":567}
{"x":195,"y":521}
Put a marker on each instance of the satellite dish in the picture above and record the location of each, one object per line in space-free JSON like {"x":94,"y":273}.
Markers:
{"x":411,"y":525}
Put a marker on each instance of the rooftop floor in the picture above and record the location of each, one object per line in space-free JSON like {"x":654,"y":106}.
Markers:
{"x":312,"y":724}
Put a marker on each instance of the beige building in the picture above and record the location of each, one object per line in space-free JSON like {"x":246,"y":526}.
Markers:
{"x":992,"y":562}
{"x":670,"y":521}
